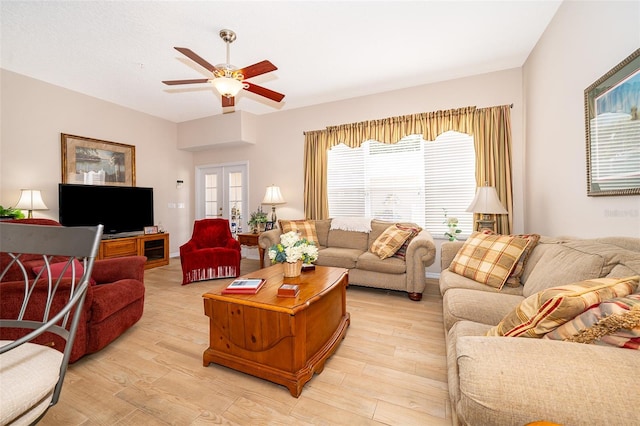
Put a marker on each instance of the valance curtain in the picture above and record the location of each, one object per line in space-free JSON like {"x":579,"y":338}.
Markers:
{"x":490,"y":127}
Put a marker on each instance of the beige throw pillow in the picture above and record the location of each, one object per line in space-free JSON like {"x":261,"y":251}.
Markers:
{"x":544,"y":311}
{"x":389,"y":241}
{"x":488,"y":259}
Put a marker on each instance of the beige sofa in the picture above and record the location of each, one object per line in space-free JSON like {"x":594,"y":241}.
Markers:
{"x":350,"y":249}
{"x":516,"y":380}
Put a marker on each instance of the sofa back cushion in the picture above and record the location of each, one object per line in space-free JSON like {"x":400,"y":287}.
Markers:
{"x":348,"y":239}
{"x":322,"y":230}
{"x":573,"y":261}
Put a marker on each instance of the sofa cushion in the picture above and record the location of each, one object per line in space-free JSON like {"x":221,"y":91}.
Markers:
{"x":389,"y":241}
{"x":348,"y":239}
{"x":401,"y":253}
{"x":306,"y":229}
{"x":371,"y":262}
{"x":614,"y":322}
{"x":518,"y":381}
{"x":543,"y":312}
{"x":338,"y":257}
{"x":488,"y":259}
{"x":571,"y":262}
{"x":449,"y":280}
{"x":479,"y":306}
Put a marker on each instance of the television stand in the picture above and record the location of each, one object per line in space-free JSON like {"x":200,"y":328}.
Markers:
{"x":154,"y":246}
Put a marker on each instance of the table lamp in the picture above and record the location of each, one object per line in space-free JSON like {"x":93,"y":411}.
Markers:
{"x":30,"y":199}
{"x":486,"y":202}
{"x":273,"y":196}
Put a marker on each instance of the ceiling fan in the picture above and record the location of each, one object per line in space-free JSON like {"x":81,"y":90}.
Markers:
{"x":226,"y":78}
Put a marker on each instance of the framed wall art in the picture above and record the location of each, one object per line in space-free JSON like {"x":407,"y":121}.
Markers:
{"x":96,"y":162}
{"x":612,"y":119}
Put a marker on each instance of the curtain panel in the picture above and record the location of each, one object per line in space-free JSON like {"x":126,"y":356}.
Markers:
{"x":491,"y":128}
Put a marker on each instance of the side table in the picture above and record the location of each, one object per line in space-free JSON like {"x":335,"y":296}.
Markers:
{"x":251,"y":240}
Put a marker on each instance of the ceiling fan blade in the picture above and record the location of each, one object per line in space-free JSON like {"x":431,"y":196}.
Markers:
{"x":258,"y":69}
{"x":174,"y":82}
{"x":195,"y":58}
{"x":228,"y":101}
{"x":263,"y":91}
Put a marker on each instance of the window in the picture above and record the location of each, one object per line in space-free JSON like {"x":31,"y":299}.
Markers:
{"x":413,"y":180}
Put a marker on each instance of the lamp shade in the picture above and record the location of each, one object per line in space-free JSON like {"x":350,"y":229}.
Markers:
{"x":486,"y":201}
{"x":273,"y":196}
{"x":227,"y":86}
{"x":30,"y":199}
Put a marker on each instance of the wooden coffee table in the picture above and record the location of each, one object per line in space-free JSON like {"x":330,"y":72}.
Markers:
{"x":280,"y":339}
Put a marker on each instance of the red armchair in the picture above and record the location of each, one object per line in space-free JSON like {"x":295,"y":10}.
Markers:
{"x":114,"y":300}
{"x":211,"y":253}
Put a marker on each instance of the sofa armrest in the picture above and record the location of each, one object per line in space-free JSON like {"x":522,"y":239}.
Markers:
{"x":514,"y":380}
{"x":269,"y":238}
{"x":118,"y":268}
{"x":448,"y":251}
{"x":421,"y":252}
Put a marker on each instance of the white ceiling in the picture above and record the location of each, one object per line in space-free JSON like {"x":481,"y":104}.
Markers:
{"x":324,"y":50}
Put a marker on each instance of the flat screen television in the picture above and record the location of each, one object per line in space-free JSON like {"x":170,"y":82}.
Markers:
{"x":121,"y":209}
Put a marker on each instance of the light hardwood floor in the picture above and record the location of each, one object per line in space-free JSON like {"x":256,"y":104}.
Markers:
{"x":389,"y":370}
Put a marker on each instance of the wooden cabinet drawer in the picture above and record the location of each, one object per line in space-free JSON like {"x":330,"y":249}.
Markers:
{"x":118,"y":247}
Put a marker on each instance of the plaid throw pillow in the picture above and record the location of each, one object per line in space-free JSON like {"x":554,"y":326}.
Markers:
{"x":389,"y":241}
{"x":488,"y":259}
{"x":546,"y":310}
{"x":514,"y":278}
{"x":401,"y":253}
{"x":306,"y":229}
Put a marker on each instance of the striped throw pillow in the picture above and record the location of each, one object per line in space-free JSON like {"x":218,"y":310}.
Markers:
{"x":546,"y":310}
{"x":614,"y":322}
{"x":488,"y":259}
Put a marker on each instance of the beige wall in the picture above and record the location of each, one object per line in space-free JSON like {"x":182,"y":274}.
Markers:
{"x":582,"y":43}
{"x":277,"y":156}
{"x":35,"y":113}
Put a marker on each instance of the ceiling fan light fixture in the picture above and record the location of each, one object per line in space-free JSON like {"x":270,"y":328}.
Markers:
{"x":227,"y":86}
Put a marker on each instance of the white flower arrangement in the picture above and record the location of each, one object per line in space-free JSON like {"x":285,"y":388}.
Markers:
{"x":293,"y":248}
{"x":452,"y":224}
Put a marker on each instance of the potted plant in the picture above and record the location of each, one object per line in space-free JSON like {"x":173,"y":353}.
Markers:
{"x":11,"y":213}
{"x":257,"y":220}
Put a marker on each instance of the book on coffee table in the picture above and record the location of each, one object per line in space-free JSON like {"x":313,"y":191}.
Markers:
{"x":244,"y":286}
{"x":288,"y":290}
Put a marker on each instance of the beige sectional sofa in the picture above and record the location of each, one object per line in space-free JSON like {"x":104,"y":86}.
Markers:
{"x":517,"y":380}
{"x":350,"y":249}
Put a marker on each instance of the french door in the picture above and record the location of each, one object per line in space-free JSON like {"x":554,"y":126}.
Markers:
{"x":221,"y":191}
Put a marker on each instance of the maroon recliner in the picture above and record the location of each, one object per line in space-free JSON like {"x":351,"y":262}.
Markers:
{"x":211,"y":253}
{"x":114,"y":300}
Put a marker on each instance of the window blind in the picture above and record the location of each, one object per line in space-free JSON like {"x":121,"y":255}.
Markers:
{"x":413,"y":180}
